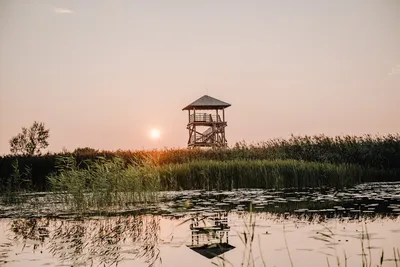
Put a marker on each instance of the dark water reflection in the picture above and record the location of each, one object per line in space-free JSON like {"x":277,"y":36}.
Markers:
{"x":309,"y":223}
{"x":153,"y":240}
{"x":104,"y":241}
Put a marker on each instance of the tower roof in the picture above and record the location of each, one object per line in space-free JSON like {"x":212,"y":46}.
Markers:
{"x":207,"y":102}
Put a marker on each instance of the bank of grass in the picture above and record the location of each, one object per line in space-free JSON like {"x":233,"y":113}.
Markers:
{"x":116,"y":183}
{"x":370,"y":152}
{"x":104,"y":183}
{"x":226,"y":175}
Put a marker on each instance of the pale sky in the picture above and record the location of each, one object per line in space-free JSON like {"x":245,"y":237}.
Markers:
{"x":102,"y":74}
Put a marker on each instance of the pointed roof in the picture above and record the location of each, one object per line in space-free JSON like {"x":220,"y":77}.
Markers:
{"x":207,"y":102}
{"x":211,"y":250}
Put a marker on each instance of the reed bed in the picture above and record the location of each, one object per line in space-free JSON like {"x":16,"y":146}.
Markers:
{"x":104,"y":183}
{"x":226,"y":175}
{"x":376,"y":152}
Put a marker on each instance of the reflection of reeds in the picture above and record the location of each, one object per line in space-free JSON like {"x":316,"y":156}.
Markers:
{"x":329,"y":237}
{"x":326,"y":235}
{"x":287,"y":246}
{"x":106,"y":241}
{"x":31,"y":229}
{"x":247,"y":238}
{"x":94,"y":242}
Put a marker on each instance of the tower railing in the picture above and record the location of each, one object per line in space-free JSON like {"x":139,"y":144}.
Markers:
{"x":204,"y":117}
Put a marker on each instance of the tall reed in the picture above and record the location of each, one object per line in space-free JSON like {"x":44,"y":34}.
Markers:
{"x":19,"y":182}
{"x":225,"y":175}
{"x":104,"y":183}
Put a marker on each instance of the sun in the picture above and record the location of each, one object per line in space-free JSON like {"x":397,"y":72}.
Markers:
{"x":155,"y":134}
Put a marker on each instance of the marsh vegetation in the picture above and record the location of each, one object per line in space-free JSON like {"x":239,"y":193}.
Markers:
{"x":104,"y":183}
{"x":320,"y":159}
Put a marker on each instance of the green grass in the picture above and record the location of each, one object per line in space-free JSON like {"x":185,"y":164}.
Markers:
{"x":115,"y":183}
{"x":104,"y":183}
{"x":226,"y":175}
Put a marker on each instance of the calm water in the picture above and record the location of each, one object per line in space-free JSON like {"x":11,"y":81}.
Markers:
{"x":307,"y":227}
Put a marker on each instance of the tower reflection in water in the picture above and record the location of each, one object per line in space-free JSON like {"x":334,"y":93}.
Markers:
{"x":210,"y":234}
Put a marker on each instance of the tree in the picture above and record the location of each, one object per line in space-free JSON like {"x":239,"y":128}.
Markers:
{"x":31,"y":140}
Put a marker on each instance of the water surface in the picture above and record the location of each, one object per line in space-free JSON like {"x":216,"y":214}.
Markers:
{"x":308,"y":227}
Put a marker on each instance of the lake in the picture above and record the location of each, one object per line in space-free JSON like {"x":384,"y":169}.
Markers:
{"x":299,"y":227}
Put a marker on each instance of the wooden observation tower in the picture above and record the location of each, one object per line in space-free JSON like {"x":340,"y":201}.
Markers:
{"x":206,"y":126}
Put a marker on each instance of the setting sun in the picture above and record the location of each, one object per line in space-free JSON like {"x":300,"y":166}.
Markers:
{"x":155,"y":134}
